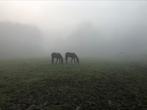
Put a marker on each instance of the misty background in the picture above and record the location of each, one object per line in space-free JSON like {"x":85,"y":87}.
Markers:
{"x":96,"y":29}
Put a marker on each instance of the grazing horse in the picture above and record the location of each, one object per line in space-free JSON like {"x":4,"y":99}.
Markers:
{"x":73,"y":56}
{"x":58,"y":57}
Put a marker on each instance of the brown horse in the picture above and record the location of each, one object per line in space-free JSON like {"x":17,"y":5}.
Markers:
{"x":58,"y":57}
{"x":74,"y":58}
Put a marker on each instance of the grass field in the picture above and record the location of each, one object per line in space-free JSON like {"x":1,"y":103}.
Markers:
{"x":93,"y":85}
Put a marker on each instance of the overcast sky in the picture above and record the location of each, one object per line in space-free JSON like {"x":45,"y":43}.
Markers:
{"x":98,"y":27}
{"x":65,"y":14}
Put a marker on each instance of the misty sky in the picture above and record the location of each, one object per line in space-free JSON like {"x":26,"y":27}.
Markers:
{"x":87,"y":27}
{"x":66,"y":14}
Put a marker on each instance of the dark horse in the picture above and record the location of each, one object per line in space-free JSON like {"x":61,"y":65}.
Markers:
{"x":73,"y":56}
{"x":58,"y":57}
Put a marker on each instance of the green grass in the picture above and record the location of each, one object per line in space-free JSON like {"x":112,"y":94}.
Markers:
{"x":35,"y":84}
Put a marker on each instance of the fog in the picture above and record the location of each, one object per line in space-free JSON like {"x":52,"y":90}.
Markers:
{"x":94,"y":29}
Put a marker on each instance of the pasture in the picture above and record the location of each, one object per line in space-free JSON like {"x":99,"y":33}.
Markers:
{"x":35,"y":84}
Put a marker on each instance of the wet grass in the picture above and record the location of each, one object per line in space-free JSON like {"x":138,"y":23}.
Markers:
{"x":92,"y":85}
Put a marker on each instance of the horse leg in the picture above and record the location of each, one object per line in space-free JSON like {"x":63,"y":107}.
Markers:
{"x":77,"y":60}
{"x":59,"y":61}
{"x":56,"y":60}
{"x":52,"y":60}
{"x":66,"y":59}
{"x":72,"y":60}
